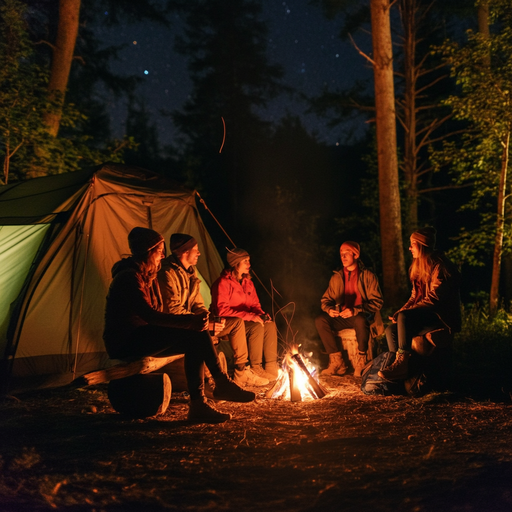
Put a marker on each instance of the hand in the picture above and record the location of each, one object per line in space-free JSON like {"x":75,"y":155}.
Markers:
{"x":347,"y":313}
{"x":200,"y":322}
{"x":215,"y":326}
{"x":266,"y":318}
{"x":258,"y":319}
{"x":333,"y":313}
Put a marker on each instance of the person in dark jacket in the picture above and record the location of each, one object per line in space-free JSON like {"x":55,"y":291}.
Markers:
{"x":352,"y":301}
{"x":434,"y":302}
{"x":136,"y":326}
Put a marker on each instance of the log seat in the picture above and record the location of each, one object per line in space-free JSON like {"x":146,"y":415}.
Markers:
{"x":349,"y":345}
{"x":124,"y":369}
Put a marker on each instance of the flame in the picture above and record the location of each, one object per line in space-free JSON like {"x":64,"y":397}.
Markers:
{"x":291,"y":370}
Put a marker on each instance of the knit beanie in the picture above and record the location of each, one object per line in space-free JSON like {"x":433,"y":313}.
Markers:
{"x":181,"y":243}
{"x":425,"y":236}
{"x":236,"y":255}
{"x":351,"y":246}
{"x":142,"y":240}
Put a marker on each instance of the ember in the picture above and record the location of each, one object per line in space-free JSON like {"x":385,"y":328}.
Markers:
{"x":296,"y":381}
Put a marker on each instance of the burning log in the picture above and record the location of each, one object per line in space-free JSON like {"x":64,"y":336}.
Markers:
{"x":295,"y":381}
{"x":312,"y":383}
{"x":295,"y":394}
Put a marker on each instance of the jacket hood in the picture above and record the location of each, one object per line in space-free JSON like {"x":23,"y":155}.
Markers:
{"x":124,"y":264}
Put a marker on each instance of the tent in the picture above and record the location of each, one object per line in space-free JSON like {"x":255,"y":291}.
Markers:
{"x":59,"y":237}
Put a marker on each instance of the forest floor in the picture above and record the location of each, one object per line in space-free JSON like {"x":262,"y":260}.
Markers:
{"x":67,"y":449}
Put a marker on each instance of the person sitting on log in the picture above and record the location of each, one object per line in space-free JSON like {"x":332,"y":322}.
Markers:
{"x":136,"y":327}
{"x":352,"y":301}
{"x":234,"y":297}
{"x":434,"y":301}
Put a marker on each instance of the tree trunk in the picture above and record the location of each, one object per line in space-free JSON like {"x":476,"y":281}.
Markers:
{"x":393,"y":262}
{"x":500,"y":227}
{"x":67,"y":32}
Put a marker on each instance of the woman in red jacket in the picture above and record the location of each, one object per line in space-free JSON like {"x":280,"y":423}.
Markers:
{"x":234,"y":295}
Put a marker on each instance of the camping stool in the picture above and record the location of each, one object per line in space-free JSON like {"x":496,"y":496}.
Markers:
{"x":133,"y":388}
{"x":349,"y":344}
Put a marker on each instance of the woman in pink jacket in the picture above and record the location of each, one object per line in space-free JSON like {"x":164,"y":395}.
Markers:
{"x":234,"y":295}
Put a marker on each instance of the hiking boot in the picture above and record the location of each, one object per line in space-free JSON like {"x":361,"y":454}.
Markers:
{"x":359,"y":364}
{"x":209,"y":387}
{"x":226,"y":389}
{"x":247,"y":377}
{"x":260,"y":372}
{"x":200,"y":411}
{"x":399,"y":369}
{"x":336,"y":366}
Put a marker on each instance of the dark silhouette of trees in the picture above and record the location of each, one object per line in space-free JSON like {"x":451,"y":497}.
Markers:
{"x":225,"y":42}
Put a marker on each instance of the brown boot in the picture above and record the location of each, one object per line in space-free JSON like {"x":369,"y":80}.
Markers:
{"x":399,"y":369}
{"x":336,"y":365}
{"x":359,"y":364}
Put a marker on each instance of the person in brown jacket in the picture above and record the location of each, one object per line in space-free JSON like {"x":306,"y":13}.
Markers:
{"x":136,"y":327}
{"x":352,"y":301}
{"x":434,"y":301}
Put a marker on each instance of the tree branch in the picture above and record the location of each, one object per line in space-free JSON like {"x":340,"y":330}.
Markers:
{"x":361,"y":52}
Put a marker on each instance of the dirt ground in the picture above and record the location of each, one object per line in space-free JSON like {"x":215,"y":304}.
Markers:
{"x":67,"y":449}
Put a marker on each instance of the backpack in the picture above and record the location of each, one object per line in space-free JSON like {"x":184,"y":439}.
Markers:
{"x":372,"y":384}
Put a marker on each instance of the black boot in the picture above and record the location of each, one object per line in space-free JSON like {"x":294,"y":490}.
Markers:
{"x":226,"y":389}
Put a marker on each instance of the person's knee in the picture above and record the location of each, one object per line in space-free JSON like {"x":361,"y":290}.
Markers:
{"x":390,"y":330}
{"x":270,"y":328}
{"x":234,"y":325}
{"x":322,"y":319}
{"x":360,"y":322}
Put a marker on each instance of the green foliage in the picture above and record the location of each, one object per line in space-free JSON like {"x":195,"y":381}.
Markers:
{"x":484,"y":344}
{"x":26,"y":148}
{"x":484,"y":109}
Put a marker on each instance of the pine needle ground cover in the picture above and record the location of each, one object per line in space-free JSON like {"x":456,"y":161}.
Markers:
{"x":67,"y":449}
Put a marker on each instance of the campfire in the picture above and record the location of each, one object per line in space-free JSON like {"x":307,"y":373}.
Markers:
{"x":297,"y":380}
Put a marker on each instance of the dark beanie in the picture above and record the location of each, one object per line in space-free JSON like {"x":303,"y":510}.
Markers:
{"x":181,"y":243}
{"x":142,"y":240}
{"x":236,"y":255}
{"x":425,"y":236}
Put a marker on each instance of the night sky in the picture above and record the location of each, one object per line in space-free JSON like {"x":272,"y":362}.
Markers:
{"x":300,"y":39}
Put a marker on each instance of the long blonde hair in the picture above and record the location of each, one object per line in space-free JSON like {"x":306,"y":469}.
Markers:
{"x":422,"y":267}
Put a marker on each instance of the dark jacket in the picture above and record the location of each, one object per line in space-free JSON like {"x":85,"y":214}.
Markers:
{"x":132,"y":302}
{"x":368,"y":286}
{"x":442,"y":293}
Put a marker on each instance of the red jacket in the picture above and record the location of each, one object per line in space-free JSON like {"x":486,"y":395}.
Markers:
{"x":231,"y":298}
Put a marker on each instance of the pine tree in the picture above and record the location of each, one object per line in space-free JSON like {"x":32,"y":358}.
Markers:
{"x":225,"y":41}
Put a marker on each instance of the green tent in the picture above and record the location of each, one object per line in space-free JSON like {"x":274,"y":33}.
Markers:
{"x":59,"y":237}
